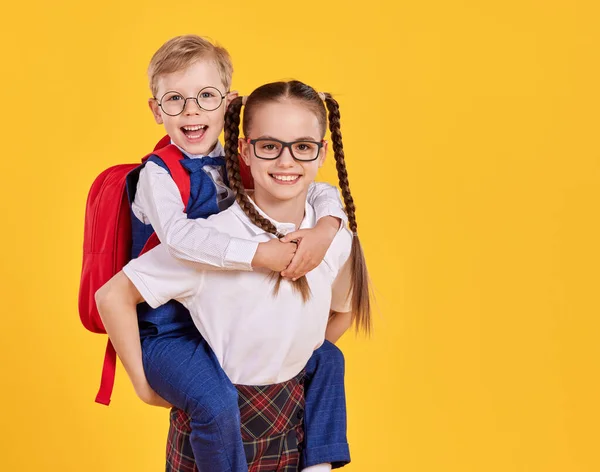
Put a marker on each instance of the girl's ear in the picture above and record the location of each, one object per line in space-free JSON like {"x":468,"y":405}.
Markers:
{"x":244,"y":147}
{"x":155,"y":109}
{"x":323,"y":153}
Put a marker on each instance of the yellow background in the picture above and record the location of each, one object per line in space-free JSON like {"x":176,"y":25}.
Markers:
{"x":471,"y":134}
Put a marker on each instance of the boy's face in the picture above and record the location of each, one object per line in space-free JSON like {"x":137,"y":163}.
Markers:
{"x":194,"y":130}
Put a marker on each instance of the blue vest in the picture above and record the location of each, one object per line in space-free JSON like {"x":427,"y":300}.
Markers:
{"x":173,"y":316}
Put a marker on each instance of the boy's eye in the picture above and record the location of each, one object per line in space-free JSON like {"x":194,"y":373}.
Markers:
{"x":207,"y":95}
{"x":173,"y":98}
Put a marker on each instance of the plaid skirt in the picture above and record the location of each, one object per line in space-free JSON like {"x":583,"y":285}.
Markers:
{"x":272,"y":428}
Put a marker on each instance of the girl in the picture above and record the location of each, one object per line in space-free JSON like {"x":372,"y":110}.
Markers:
{"x":264,"y":331}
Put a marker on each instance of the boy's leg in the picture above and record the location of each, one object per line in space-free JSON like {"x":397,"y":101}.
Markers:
{"x":325,"y":411}
{"x":184,"y":371}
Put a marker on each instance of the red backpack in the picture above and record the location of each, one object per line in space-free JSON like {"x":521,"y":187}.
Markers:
{"x":107,"y":241}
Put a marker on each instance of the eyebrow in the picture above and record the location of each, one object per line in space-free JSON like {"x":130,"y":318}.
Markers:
{"x":302,"y":138}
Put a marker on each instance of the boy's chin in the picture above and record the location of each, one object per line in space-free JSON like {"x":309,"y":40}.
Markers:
{"x":202,"y":148}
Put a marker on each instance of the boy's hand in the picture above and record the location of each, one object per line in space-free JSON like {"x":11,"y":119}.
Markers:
{"x":274,"y":255}
{"x":312,"y":246}
{"x":149,"y":396}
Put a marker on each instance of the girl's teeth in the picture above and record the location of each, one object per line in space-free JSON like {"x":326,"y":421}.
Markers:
{"x":194,"y":128}
{"x":286,"y":178}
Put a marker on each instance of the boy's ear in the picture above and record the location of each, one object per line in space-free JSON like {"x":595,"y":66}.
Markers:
{"x":323,"y":154}
{"x":244,"y":151}
{"x":155,"y":109}
{"x":231,"y":96}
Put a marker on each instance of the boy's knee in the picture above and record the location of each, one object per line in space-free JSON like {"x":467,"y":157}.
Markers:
{"x":222,"y":407}
{"x":327,"y":359}
{"x":331,"y":354}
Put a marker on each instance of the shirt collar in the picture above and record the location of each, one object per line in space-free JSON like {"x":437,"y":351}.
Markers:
{"x":284,"y":228}
{"x":218,"y":151}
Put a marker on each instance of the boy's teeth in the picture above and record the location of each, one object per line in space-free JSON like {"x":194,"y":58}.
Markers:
{"x":194,"y":128}
{"x":286,"y":178}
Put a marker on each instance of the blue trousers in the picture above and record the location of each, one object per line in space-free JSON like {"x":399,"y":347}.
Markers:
{"x":182,"y":368}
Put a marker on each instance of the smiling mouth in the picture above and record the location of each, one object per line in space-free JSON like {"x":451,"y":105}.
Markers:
{"x":286,"y":179}
{"x":194,"y":132}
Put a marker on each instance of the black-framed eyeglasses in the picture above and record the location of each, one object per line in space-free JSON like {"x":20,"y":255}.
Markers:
{"x":173,"y":103}
{"x":271,"y":148}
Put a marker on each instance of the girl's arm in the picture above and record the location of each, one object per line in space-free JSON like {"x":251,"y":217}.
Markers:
{"x":116,"y":301}
{"x":337,"y":325}
{"x":340,"y":314}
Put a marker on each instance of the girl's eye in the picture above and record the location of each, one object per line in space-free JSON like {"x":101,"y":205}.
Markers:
{"x":304,"y":147}
{"x":268,"y":147}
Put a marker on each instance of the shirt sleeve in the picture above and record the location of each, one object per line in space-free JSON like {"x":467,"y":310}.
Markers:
{"x":325,"y":199}
{"x":159,"y":201}
{"x":160,"y":278}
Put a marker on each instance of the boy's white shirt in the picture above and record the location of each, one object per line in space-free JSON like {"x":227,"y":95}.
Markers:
{"x":158,"y":202}
{"x":259,"y":338}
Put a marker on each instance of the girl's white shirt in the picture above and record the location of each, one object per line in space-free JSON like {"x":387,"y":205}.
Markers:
{"x":259,"y":338}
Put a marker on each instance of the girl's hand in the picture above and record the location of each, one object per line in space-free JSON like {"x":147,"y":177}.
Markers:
{"x":149,"y":396}
{"x":312,"y":246}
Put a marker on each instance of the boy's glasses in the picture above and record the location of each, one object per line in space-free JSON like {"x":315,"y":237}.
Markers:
{"x":271,"y":148}
{"x":173,"y":103}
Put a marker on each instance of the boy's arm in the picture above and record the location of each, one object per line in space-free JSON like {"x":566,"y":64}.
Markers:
{"x":314,"y":243}
{"x":193,"y":239}
{"x":325,"y":199}
{"x":116,"y":301}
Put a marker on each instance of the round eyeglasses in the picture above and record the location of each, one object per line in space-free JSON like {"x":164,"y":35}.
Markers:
{"x":173,"y":103}
{"x":271,"y":148}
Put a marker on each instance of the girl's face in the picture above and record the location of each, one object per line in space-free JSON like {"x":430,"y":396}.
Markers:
{"x":284,"y":178}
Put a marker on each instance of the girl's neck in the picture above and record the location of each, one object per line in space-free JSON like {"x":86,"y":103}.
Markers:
{"x":282,"y":211}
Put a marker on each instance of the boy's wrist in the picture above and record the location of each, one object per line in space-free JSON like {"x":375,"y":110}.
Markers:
{"x":257,"y":260}
{"x":330,"y":225}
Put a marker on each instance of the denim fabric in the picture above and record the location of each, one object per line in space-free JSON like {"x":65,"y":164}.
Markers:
{"x":325,"y":411}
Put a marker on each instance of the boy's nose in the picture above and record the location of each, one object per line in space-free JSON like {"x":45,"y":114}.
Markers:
{"x":191,"y":107}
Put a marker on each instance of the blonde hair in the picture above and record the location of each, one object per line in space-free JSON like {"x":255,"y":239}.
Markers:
{"x":181,"y":52}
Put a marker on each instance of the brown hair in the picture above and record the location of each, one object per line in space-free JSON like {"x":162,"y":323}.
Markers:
{"x":181,"y":52}
{"x":295,"y":90}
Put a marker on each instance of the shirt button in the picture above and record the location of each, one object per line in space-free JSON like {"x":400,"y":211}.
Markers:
{"x":300,"y":414}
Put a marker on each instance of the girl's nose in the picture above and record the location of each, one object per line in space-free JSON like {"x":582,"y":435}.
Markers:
{"x":285,"y":159}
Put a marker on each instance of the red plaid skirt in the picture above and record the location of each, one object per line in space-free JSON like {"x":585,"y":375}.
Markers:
{"x":271,"y":428}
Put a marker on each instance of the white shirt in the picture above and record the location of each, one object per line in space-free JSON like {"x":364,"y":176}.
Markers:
{"x":158,"y":202}
{"x":259,"y":338}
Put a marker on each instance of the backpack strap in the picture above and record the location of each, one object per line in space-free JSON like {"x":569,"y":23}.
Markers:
{"x":171,"y":156}
{"x":109,"y":369}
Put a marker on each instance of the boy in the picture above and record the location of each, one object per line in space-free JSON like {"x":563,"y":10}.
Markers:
{"x":190,"y":80}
